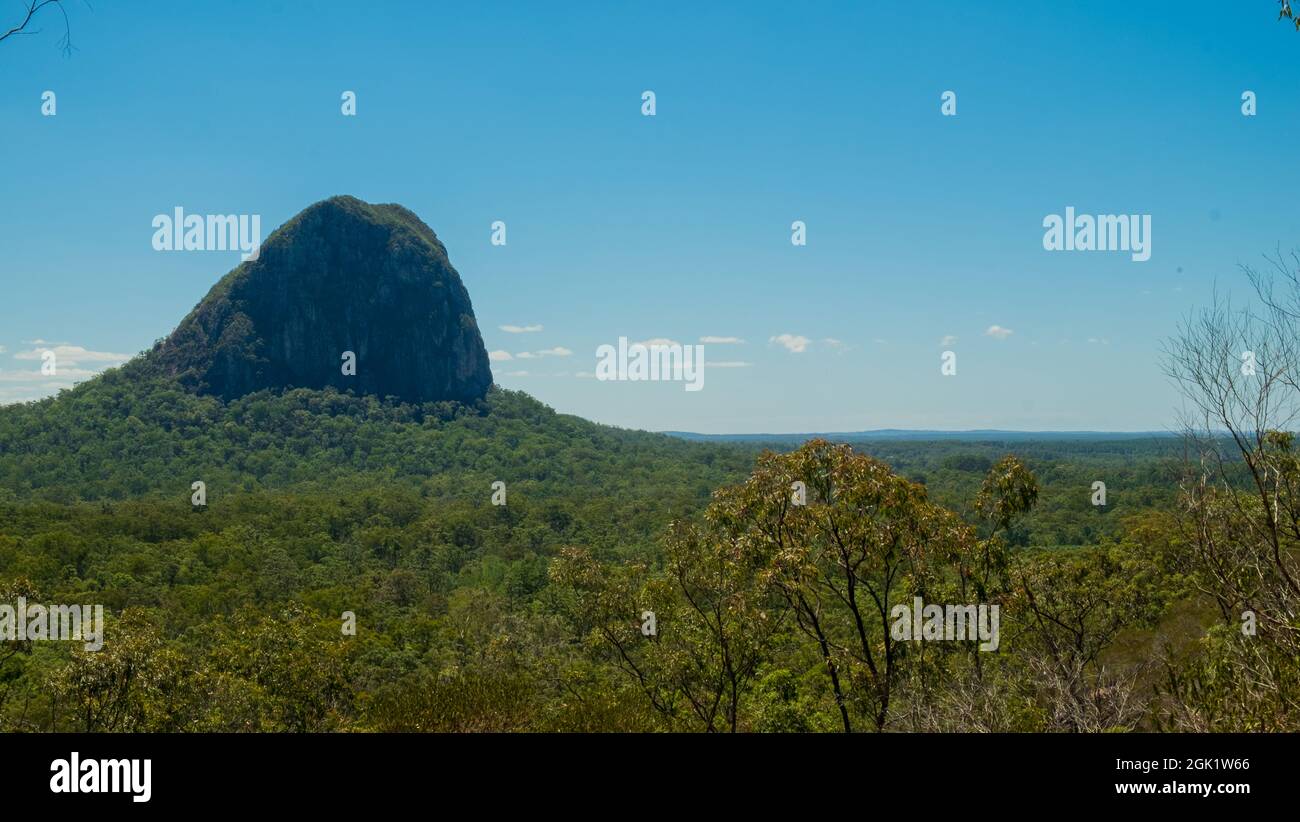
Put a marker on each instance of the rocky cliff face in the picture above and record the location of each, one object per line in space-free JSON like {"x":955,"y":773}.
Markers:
{"x":342,"y":276}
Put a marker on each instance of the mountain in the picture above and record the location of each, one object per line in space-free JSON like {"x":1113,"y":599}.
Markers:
{"x":248,"y":393}
{"x":342,"y":276}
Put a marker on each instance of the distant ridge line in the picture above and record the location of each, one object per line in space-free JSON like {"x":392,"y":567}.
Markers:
{"x":972,"y":435}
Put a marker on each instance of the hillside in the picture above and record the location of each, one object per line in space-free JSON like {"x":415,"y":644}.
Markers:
{"x":119,"y":437}
{"x":318,"y":503}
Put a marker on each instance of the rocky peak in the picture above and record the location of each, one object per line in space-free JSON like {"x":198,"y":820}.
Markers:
{"x":342,"y":276}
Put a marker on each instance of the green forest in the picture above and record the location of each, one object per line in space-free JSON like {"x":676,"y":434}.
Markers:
{"x":528,"y":612}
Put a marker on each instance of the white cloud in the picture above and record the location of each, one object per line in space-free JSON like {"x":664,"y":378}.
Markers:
{"x":37,"y":377}
{"x":22,"y":386}
{"x":794,"y":343}
{"x":520,"y":329}
{"x":12,"y":395}
{"x":516,"y":373}
{"x":948,"y":339}
{"x":722,"y":340}
{"x":1101,"y":340}
{"x":657,"y":341}
{"x":71,"y":354}
{"x":25,"y":386}
{"x":557,"y":351}
{"x":499,"y":356}
{"x":997,"y":332}
{"x":728,"y":364}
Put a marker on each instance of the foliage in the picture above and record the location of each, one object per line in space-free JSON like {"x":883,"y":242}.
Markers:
{"x":529,"y":616}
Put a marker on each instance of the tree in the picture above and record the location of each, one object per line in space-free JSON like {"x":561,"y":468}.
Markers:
{"x":1286,"y":12}
{"x":692,"y":635}
{"x":134,"y":683}
{"x":823,"y":537}
{"x":862,"y":541}
{"x":1069,"y":608}
{"x":11,"y":663}
{"x":1239,"y":370}
{"x":34,"y":6}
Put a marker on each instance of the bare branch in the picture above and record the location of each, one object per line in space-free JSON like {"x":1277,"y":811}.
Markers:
{"x":34,"y":6}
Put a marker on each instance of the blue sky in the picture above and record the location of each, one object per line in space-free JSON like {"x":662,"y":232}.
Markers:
{"x":677,"y":226}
